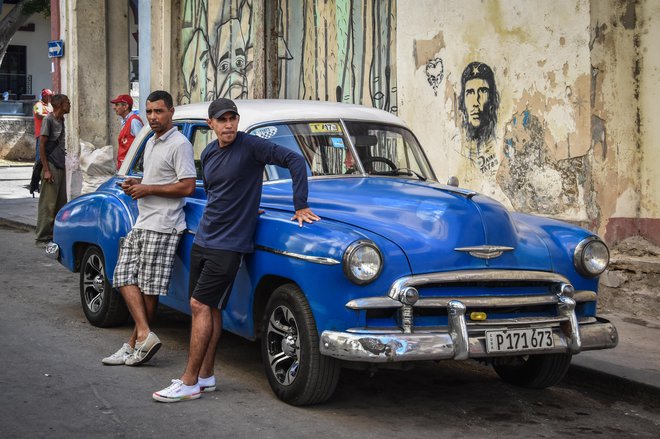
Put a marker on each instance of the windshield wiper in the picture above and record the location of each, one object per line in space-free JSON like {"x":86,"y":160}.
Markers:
{"x":409,"y":172}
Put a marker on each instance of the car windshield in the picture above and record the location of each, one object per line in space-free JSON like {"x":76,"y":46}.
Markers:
{"x":366,"y":149}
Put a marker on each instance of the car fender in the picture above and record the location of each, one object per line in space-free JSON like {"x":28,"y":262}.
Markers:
{"x":99,"y":219}
{"x":287,"y":253}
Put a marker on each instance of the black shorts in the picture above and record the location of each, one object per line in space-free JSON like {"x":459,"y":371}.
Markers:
{"x":212,"y":274}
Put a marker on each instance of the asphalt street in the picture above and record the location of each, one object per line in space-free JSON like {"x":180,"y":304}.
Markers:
{"x":54,"y":385}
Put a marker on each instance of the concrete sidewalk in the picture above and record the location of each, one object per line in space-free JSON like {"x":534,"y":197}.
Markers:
{"x":634,"y":365}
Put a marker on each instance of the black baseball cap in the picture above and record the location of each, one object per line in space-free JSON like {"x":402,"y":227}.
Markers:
{"x":221,"y":106}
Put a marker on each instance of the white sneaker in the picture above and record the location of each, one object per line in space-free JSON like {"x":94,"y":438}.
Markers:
{"x":119,"y":357}
{"x":144,"y":350}
{"x":177,"y":391}
{"x":206,"y":384}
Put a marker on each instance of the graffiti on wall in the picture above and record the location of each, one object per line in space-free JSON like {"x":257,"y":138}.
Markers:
{"x":478,"y":104}
{"x":435,"y":71}
{"x":338,"y":50}
{"x":216,"y":49}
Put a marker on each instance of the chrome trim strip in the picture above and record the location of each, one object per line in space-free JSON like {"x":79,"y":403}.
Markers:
{"x":314,"y":259}
{"x":381,"y":302}
{"x":473,"y":327}
{"x":489,"y":301}
{"x":394,"y":347}
{"x":473,"y":276}
{"x":373,"y":303}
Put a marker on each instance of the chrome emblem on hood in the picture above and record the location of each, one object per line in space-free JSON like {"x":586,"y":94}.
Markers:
{"x":485,"y":251}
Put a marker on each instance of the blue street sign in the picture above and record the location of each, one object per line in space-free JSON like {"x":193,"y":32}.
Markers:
{"x":55,"y":48}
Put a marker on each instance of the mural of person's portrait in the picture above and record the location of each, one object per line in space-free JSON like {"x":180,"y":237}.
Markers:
{"x":216,"y":49}
{"x":479,"y":102}
{"x":232,"y":60}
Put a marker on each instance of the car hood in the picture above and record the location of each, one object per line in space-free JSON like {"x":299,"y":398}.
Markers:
{"x":427,"y":220}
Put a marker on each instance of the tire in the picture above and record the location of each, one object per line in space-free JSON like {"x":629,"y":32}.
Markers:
{"x":534,"y":371}
{"x":103,"y":306}
{"x":297,"y":372}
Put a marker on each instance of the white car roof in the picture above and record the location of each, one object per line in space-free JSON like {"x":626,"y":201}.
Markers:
{"x":257,"y":111}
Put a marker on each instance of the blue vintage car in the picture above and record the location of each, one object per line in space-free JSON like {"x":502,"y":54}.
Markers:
{"x":401,"y":268}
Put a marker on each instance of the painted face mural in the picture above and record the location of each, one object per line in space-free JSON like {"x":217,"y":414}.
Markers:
{"x":479,"y":102}
{"x":476,"y":98}
{"x":231,"y":79}
{"x":216,"y":49}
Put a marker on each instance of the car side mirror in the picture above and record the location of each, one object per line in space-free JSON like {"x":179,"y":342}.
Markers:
{"x":453,"y":181}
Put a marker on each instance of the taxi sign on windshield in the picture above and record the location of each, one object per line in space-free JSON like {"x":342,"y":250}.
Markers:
{"x":325,"y":128}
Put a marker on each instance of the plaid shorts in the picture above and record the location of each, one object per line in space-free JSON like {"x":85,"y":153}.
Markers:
{"x":146,"y":259}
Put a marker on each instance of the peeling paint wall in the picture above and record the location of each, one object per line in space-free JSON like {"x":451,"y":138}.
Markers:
{"x":554,"y":129}
{"x":649,"y":95}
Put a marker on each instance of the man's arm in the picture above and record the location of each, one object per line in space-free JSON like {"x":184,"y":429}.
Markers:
{"x":184,"y":165}
{"x":43,"y":139}
{"x":182,"y":188}
{"x":295,"y":163}
{"x":136,"y":126}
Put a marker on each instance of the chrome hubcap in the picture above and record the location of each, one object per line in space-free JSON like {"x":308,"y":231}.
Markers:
{"x":283,"y":345}
{"x":93,"y":283}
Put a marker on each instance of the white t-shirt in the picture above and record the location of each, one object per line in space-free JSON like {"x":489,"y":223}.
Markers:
{"x":167,"y":160}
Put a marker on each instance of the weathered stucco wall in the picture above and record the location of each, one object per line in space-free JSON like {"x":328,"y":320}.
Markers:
{"x":625,"y":92}
{"x":537,"y":104}
{"x":650,"y":128}
{"x":615,"y":111}
{"x":499,"y":94}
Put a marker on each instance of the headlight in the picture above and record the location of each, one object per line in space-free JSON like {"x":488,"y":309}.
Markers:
{"x":591,"y":257}
{"x":362,"y":262}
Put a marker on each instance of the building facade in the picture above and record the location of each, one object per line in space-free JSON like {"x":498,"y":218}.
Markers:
{"x":545,"y":106}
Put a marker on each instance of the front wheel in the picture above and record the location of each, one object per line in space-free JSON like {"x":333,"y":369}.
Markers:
{"x":533,"y":371}
{"x":103,"y":306}
{"x":296,"y":370}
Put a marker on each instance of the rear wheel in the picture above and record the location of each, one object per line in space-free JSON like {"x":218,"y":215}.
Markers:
{"x":296,"y":370}
{"x":103,"y":306}
{"x":533,"y":371}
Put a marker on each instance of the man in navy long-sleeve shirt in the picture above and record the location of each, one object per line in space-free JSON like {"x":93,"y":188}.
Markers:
{"x":233,"y":168}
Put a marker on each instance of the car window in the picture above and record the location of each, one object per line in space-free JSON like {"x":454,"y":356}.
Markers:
{"x":384,"y":149}
{"x":321,"y":143}
{"x":201,"y":136}
{"x":137,"y":168}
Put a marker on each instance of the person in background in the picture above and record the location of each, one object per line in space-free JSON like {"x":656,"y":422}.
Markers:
{"x":40,"y":110}
{"x":131,"y":124}
{"x":53,"y":174}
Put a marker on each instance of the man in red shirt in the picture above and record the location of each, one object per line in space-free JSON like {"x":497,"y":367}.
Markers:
{"x":40,"y":110}
{"x":130,"y":125}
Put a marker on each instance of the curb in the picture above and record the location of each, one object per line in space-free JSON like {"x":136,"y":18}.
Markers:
{"x":18,"y":225}
{"x":586,"y":378}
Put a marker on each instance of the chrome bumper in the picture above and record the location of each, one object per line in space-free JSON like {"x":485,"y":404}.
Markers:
{"x":460,"y":340}
{"x":383,"y":348}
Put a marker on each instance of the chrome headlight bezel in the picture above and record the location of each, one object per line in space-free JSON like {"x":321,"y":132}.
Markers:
{"x":583,"y":257}
{"x":349,"y":261}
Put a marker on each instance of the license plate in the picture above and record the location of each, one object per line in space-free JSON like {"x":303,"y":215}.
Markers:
{"x":519,"y":340}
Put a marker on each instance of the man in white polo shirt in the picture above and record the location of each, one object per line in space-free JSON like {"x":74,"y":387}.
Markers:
{"x":147,"y":253}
